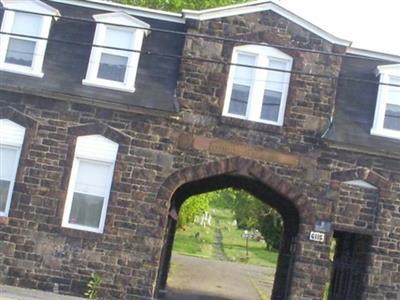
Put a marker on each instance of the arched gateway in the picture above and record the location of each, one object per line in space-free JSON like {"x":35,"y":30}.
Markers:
{"x":260,"y":181}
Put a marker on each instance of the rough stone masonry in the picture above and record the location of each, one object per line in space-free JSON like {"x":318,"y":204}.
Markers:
{"x":159,"y":153}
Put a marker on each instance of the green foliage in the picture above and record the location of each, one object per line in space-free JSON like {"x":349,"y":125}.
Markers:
{"x":93,"y":286}
{"x":199,"y":241}
{"x":249,"y":212}
{"x":193,"y":207}
{"x":178,"y":5}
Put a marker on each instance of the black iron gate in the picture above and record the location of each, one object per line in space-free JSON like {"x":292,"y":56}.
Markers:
{"x":349,"y":266}
{"x":284,"y":271}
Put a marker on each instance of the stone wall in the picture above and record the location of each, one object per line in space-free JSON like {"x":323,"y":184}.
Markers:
{"x":159,"y":152}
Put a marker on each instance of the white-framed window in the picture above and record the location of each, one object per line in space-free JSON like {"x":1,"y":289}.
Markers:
{"x":387,"y":110}
{"x":20,"y":51}
{"x":258,"y":94}
{"x":90,"y":183}
{"x":11,"y":140}
{"x":110,"y":67}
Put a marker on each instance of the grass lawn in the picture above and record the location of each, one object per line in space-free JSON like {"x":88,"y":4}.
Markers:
{"x":186,"y":243}
{"x":234,"y":245}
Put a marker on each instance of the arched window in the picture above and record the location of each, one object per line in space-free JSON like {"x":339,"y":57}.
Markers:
{"x":11,"y":140}
{"x":258,"y":94}
{"x":90,"y":183}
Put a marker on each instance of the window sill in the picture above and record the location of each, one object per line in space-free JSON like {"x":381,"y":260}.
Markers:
{"x":250,"y":124}
{"x":108,"y":86}
{"x":22,"y":72}
{"x":82,"y":228}
{"x":392,"y":134}
{"x":4,"y":220}
{"x":74,"y":233}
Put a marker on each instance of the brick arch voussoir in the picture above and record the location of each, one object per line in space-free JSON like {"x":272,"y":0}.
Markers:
{"x":361,"y":173}
{"x":18,"y":117}
{"x":100,"y":129}
{"x":244,"y":167}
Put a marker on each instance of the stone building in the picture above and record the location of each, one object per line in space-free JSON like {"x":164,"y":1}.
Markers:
{"x":99,"y":145}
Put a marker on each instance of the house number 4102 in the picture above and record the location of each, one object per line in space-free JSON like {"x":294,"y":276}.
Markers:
{"x":317,"y":236}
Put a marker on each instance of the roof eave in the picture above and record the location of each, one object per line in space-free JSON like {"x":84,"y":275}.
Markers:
{"x":373,"y":54}
{"x":258,"y":6}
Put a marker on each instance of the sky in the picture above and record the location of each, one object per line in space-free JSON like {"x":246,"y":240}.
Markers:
{"x":370,"y":25}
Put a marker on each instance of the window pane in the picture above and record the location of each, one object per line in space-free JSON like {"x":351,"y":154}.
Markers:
{"x":4,"y":186}
{"x":20,"y":52}
{"x":119,"y":38}
{"x":393,"y":91}
{"x":27,"y":24}
{"x":239,"y":99}
{"x":244,"y":75}
{"x":112,"y":67}
{"x":92,"y":178}
{"x":7,"y":163}
{"x":276,"y":80}
{"x":392,"y":117}
{"x":271,"y":104}
{"x":86,"y":210}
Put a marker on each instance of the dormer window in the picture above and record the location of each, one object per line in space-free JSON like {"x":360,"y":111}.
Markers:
{"x":115,"y":54}
{"x":258,"y":94}
{"x":387,"y":111}
{"x":20,"y":51}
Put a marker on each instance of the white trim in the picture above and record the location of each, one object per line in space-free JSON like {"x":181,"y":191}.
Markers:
{"x":374,"y":54}
{"x":11,"y":137}
{"x":129,"y":9}
{"x":106,"y":85}
{"x":387,"y":133}
{"x":391,"y":70}
{"x":7,"y":68}
{"x":258,"y":6}
{"x":388,"y":74}
{"x":121,"y":18}
{"x":128,"y":85}
{"x":33,"y":6}
{"x":245,"y":8}
{"x":361,"y":183}
{"x":259,"y":83}
{"x":105,"y":153}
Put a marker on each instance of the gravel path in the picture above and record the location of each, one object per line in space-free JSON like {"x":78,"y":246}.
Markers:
{"x":194,"y":278}
{"x":218,"y":246}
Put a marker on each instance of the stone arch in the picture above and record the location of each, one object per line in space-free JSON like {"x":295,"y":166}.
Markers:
{"x":30,"y":126}
{"x":95,"y":128}
{"x":355,"y":224}
{"x":242,"y":167}
{"x":18,"y":117}
{"x":361,"y":173}
{"x":101,"y":129}
{"x":246,"y":174}
{"x":375,"y":181}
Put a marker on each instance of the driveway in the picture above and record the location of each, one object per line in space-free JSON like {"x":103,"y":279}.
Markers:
{"x":15,"y":293}
{"x":204,"y":279}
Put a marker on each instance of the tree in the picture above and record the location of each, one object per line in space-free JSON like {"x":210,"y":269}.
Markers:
{"x":193,"y":207}
{"x":178,"y":5}
{"x":251,"y":213}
